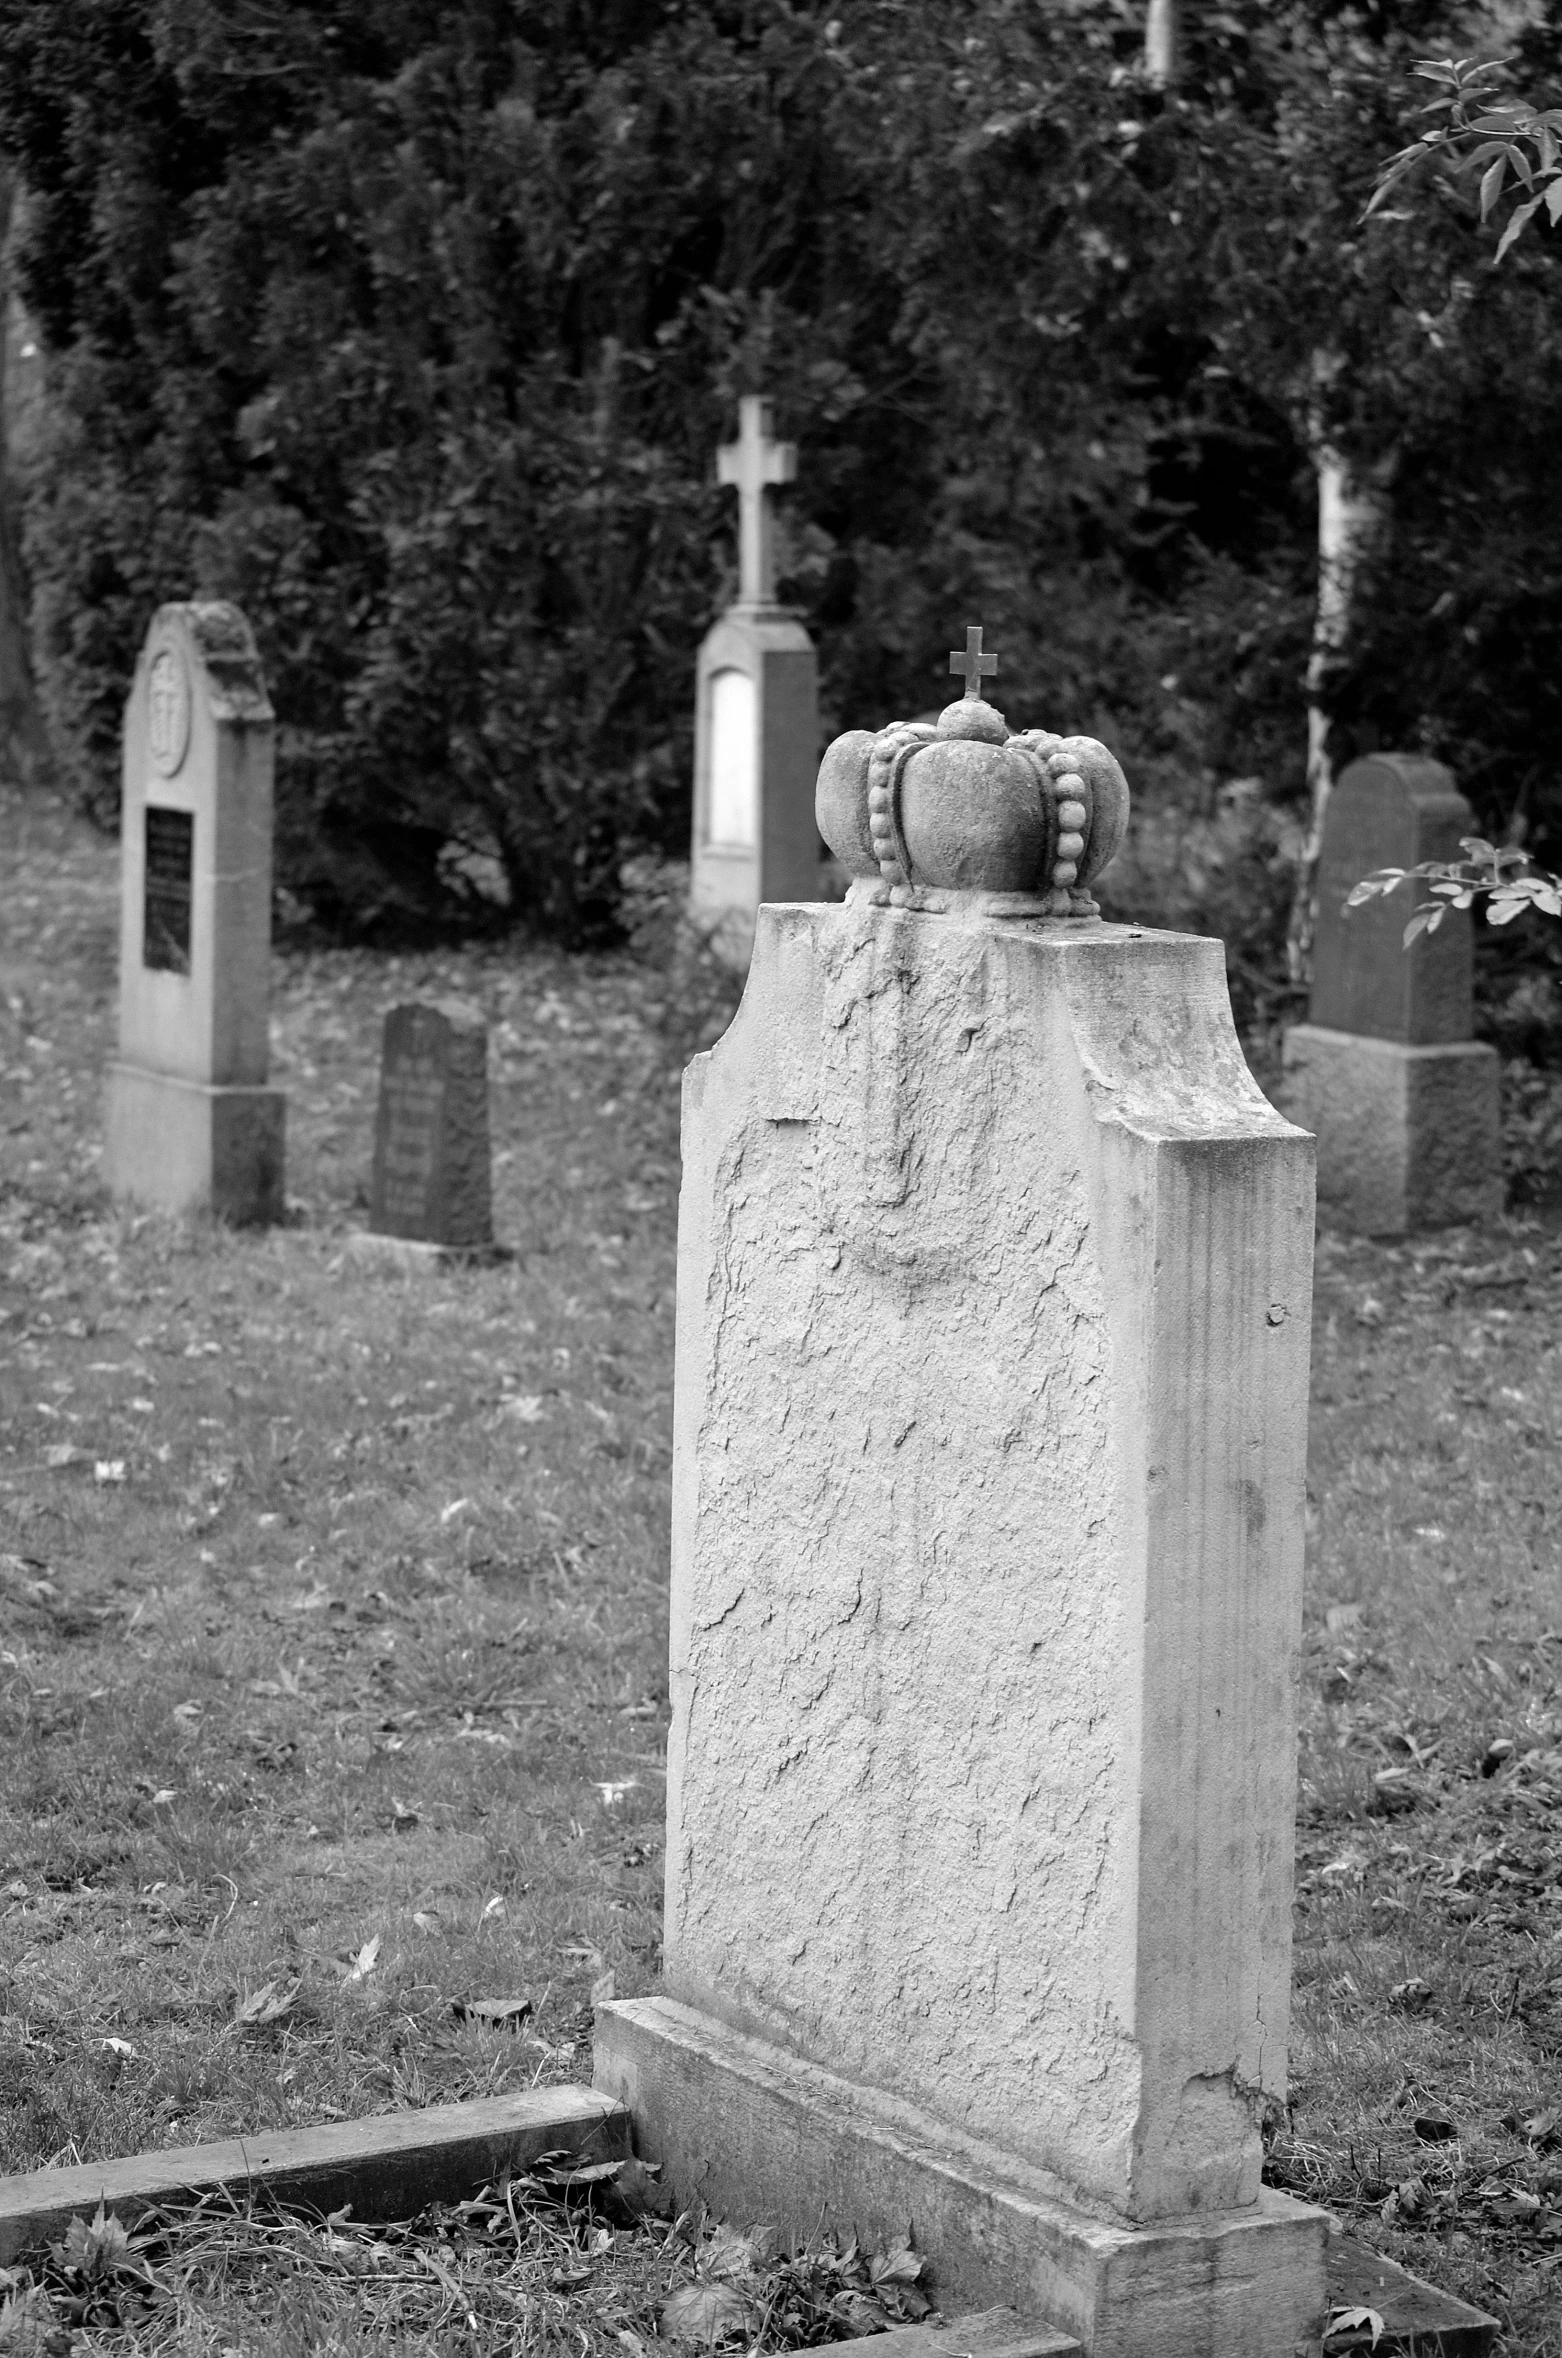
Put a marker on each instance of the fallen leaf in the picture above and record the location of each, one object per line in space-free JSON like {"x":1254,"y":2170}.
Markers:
{"x":427,"y":1922}
{"x":109,"y":1469}
{"x":901,"y":2264}
{"x":267,"y":2004}
{"x":525,"y":1407}
{"x":121,"y":2047}
{"x":493,"y":2013}
{"x":61,"y":1453}
{"x":1341,"y":1617}
{"x":365,"y":1961}
{"x":1358,"y":2320}
{"x":704,"y":2313}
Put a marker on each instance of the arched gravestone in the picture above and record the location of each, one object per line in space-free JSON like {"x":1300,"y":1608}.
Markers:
{"x":191,"y":1123}
{"x":756,"y":726}
{"x":1403,"y":1102}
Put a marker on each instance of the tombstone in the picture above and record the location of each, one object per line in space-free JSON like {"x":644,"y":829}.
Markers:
{"x":1404,"y":1104}
{"x":990,"y":1432}
{"x":432,"y":1183}
{"x":191,"y":1123}
{"x":756,"y":727}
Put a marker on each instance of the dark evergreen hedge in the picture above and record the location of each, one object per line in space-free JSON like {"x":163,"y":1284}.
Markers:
{"x":412,"y":325}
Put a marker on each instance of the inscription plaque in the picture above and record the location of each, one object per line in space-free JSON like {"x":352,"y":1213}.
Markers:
{"x":170,"y":865}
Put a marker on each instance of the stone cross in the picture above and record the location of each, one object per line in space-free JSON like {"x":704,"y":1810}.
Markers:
{"x":975,"y":665}
{"x":751,"y":465}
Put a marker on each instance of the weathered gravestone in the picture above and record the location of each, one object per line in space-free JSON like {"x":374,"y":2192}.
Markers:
{"x":432,"y":1182}
{"x":993,"y":1298}
{"x":191,"y":1123}
{"x":1404,"y":1104}
{"x":756,"y":726}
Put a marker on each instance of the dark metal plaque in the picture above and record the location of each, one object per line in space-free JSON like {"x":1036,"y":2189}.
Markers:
{"x":170,"y":866}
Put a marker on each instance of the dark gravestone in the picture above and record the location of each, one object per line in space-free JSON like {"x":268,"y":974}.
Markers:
{"x":432,"y":1180}
{"x":170,"y":868}
{"x":1402,"y":1101}
{"x":1391,"y":810}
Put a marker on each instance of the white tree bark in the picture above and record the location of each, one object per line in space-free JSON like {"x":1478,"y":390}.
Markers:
{"x":1160,"y":43}
{"x":1352,"y":513}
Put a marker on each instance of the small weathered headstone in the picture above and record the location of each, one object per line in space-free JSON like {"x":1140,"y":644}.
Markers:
{"x":432,"y":1181}
{"x":990,"y":1434}
{"x":756,"y":730}
{"x":1403,"y":1102}
{"x":191,"y":1123}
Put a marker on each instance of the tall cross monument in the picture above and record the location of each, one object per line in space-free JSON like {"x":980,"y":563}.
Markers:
{"x":751,"y":465}
{"x":756,"y":729}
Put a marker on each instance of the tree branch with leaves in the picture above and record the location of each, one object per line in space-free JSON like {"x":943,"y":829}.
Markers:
{"x":1515,"y":146}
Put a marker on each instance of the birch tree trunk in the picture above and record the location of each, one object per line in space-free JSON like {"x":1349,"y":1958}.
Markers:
{"x":22,"y":741}
{"x":1353,"y":511}
{"x":1160,"y":43}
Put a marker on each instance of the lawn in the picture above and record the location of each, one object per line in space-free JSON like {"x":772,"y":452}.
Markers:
{"x":332,"y":1648}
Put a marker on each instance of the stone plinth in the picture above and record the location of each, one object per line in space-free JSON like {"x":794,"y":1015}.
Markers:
{"x":756,"y":753}
{"x":191,"y":1123}
{"x":1408,"y":1138}
{"x":1403,"y":1103}
{"x":994,"y":1275}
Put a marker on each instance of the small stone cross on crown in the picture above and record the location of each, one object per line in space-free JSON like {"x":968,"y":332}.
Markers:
{"x":975,"y":665}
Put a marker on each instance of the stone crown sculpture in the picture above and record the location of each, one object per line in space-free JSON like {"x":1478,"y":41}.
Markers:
{"x":959,"y":812}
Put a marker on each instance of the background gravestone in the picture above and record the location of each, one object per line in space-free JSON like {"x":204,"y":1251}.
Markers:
{"x":432,"y":1181}
{"x":756,"y":726}
{"x":1404,"y":1104}
{"x":994,"y":1276}
{"x":191,"y":1123}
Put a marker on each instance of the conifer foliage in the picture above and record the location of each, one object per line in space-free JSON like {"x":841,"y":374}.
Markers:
{"x":413,"y":325}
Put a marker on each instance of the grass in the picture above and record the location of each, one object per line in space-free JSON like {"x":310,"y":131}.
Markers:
{"x":332,"y":1612}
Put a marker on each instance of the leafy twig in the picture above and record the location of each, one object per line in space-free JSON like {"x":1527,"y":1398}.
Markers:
{"x":1506,"y":139}
{"x":1487,"y":870}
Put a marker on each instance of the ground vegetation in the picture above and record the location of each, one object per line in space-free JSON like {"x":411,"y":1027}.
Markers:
{"x":333,"y":1647}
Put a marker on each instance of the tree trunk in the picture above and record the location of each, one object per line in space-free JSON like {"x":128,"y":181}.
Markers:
{"x":23,"y":747}
{"x":1160,"y":43}
{"x":1352,"y":513}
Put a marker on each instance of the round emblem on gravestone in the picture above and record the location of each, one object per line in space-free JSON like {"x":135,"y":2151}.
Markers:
{"x":168,"y":710}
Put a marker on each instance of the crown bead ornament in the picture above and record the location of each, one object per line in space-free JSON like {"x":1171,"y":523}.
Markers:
{"x":962,"y":814}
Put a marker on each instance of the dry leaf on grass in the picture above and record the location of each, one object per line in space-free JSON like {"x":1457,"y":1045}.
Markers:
{"x":364,"y":1962}
{"x":493,"y":2013}
{"x":706,"y":2312}
{"x":267,"y":2004}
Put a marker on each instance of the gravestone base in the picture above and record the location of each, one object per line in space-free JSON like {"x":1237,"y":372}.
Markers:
{"x":410,"y":1253}
{"x":765,"y":2137}
{"x":182,"y":1146}
{"x":1408,"y":1138}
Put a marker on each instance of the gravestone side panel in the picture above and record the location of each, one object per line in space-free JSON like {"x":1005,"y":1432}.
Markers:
{"x":191,"y":1123}
{"x":432,"y":1171}
{"x":1391,"y":810}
